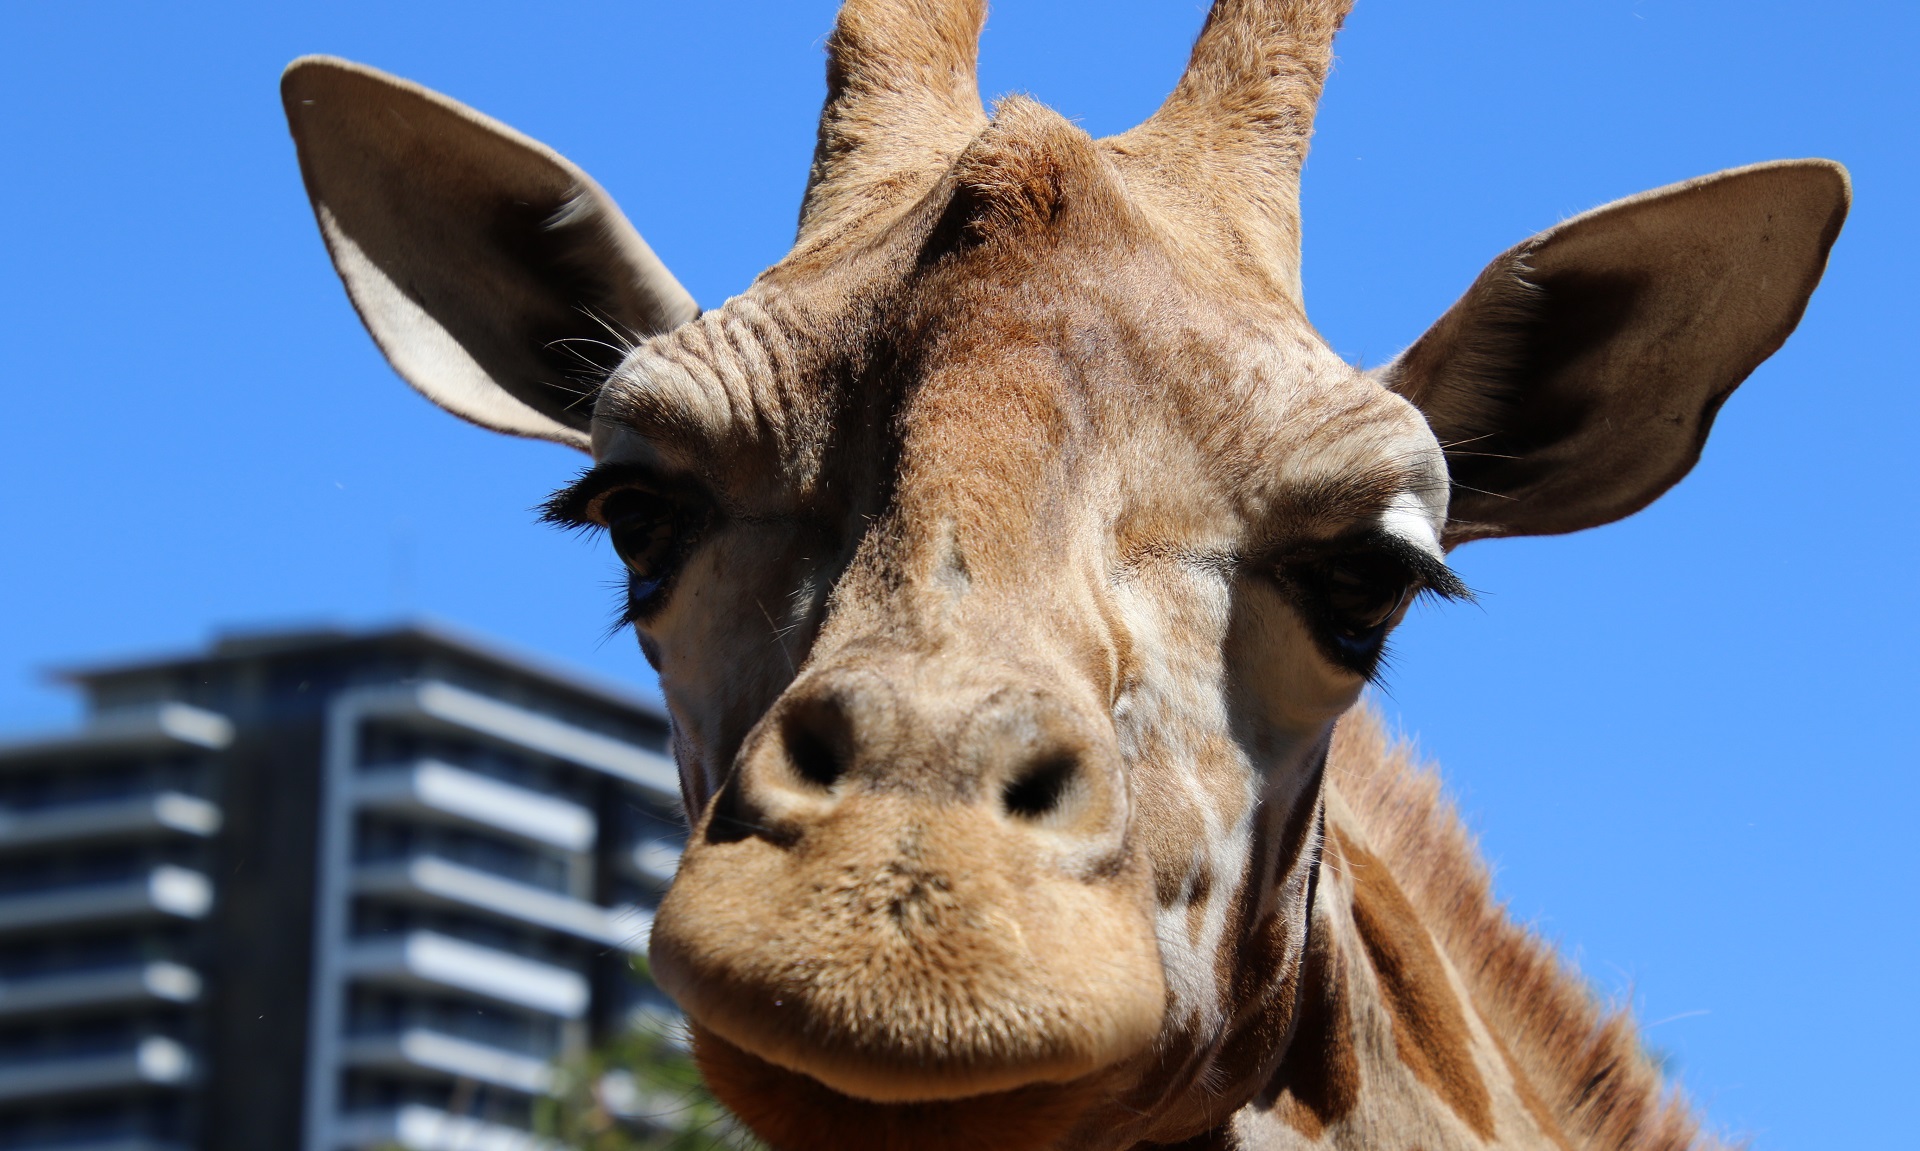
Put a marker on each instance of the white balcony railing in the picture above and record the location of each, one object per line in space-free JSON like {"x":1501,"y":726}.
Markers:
{"x":444,"y":793}
{"x":131,"y":729}
{"x":157,"y":981}
{"x":427,"y":959}
{"x":519,"y":728}
{"x":423,"y":1049}
{"x":133,"y":816}
{"x":433,"y":880}
{"x":155,"y":1060}
{"x":420,"y":1128}
{"x":165,"y":890}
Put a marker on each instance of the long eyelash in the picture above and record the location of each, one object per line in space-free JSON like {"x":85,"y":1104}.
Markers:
{"x":626,"y":610}
{"x":1453,"y":591}
{"x":1383,"y":659}
{"x":1382,"y":663}
{"x":1435,"y":576}
{"x":623,"y":613}
{"x":567,"y":508}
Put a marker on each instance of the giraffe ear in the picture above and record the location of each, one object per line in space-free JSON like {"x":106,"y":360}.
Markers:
{"x":1578,"y":377}
{"x":498,"y":278}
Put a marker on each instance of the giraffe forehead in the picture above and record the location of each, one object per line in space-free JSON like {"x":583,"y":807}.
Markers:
{"x":1302,"y":442}
{"x":1026,"y":370}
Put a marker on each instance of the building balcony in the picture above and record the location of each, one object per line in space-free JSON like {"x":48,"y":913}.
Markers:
{"x":160,"y":891}
{"x":443,"y":793}
{"x":431,"y":961}
{"x":154,"y":1061}
{"x":155,"y":982}
{"x":518,"y":728}
{"x":432,"y":880}
{"x":135,"y":817}
{"x":154,"y":727}
{"x":419,"y":1128}
{"x":415,"y":1050}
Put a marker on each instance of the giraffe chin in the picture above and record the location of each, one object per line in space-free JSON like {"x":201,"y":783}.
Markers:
{"x":795,"y":1112}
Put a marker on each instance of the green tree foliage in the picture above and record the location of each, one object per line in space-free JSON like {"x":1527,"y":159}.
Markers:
{"x":638,"y":1092}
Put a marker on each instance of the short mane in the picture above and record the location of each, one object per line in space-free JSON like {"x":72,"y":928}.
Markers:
{"x":1584,"y":1059}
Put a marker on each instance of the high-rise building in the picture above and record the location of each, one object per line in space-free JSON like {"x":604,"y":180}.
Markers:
{"x":323,"y":891}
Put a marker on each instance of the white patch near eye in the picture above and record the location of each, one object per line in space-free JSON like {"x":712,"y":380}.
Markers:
{"x":1410,"y":518}
{"x":578,"y":209}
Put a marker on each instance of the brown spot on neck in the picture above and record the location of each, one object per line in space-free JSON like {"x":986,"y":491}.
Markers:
{"x":1318,"y":1081}
{"x":1429,"y":1028}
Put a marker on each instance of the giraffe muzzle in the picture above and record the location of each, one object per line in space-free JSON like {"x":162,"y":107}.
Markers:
{"x":913,"y":895}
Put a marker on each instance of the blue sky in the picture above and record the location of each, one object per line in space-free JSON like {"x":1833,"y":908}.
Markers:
{"x":1685,"y":739}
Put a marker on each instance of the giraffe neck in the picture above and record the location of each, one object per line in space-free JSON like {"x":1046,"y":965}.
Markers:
{"x":1424,"y":1017}
{"x":1389,"y":1048}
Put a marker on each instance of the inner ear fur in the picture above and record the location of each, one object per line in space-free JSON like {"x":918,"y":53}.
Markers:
{"x":1578,"y":377}
{"x":498,"y":278}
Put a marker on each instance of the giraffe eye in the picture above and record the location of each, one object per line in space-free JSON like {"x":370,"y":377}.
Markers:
{"x":1351,"y":598}
{"x":1363,"y":592}
{"x":1352,"y":591}
{"x":649,"y":531}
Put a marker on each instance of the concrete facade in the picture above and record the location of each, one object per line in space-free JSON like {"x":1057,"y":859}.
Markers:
{"x":323,"y":890}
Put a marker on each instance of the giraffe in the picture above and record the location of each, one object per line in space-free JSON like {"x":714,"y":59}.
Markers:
{"x":1013,"y":555}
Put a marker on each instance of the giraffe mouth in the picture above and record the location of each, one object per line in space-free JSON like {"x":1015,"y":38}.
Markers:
{"x":795,"y":1112}
{"x":907,"y":953}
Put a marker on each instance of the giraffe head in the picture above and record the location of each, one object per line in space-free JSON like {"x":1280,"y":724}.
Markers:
{"x":1009,"y":550}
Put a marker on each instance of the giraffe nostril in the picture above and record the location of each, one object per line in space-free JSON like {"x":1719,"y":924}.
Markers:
{"x":1042,"y":788}
{"x":813,"y":753}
